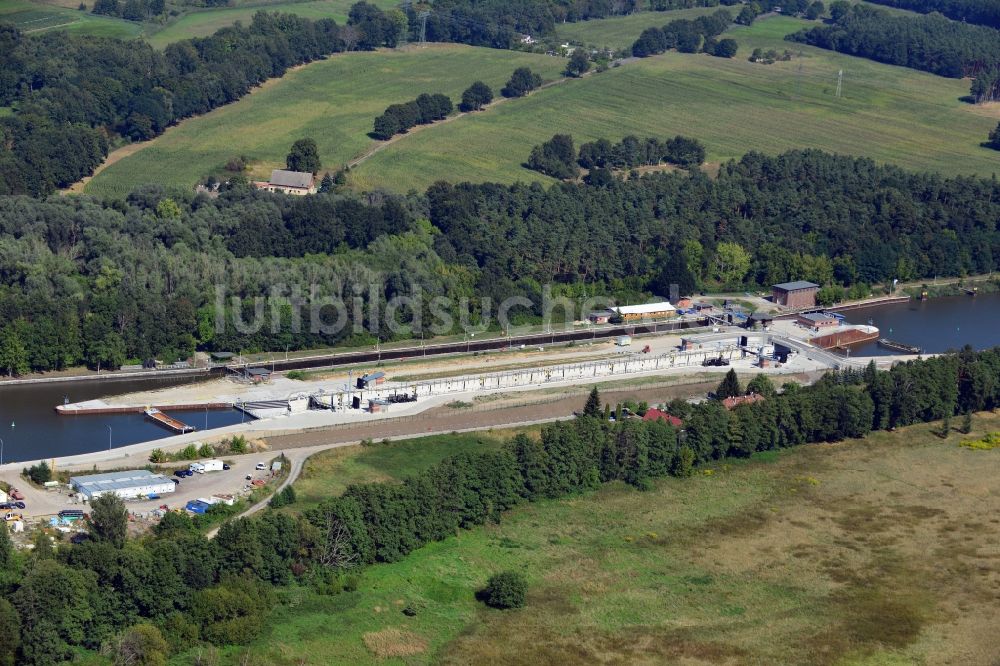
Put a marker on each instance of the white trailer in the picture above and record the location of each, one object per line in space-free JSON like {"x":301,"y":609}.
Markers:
{"x":207,"y":466}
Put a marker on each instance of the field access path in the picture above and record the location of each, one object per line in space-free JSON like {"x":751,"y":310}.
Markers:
{"x":382,"y":145}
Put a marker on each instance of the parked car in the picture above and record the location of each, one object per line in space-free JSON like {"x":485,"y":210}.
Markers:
{"x":11,"y":505}
{"x":225,"y":467}
{"x":249,"y":477}
{"x":16,"y":494}
{"x":261,"y":466}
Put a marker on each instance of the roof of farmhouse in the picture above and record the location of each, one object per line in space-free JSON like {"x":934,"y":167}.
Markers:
{"x":291,"y":178}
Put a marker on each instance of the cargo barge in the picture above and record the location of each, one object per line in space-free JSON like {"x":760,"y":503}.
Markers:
{"x":899,"y":346}
{"x":845,"y":336}
{"x":168,"y":422}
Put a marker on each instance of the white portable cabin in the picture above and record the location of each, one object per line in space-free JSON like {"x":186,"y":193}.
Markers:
{"x":206,"y":466}
{"x":214,"y":465}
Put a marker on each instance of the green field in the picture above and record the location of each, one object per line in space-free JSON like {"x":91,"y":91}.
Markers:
{"x":866,"y":552}
{"x":330,"y":472}
{"x":201,"y":23}
{"x":888,"y":113}
{"x":37,"y":17}
{"x":619,"y":32}
{"x":333,"y":101}
{"x":891,"y":114}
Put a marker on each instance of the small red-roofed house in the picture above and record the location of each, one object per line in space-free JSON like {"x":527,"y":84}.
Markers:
{"x":654,"y":414}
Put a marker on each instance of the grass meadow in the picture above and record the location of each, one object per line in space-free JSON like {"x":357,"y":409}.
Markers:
{"x":334,"y":101}
{"x":204,"y":22}
{"x":620,"y":32}
{"x":330,"y":472}
{"x":890,"y":114}
{"x":37,"y":17}
{"x":874,"y":551}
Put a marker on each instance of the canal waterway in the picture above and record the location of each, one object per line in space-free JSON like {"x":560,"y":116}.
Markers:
{"x":936,"y":325}
{"x":31,"y":429}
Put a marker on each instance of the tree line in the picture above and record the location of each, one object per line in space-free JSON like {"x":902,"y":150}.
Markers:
{"x":70,"y":92}
{"x":685,"y":35}
{"x":976,"y":12}
{"x":500,"y":23}
{"x":557,"y":158}
{"x":130,"y":10}
{"x":179,"y":589}
{"x":99,"y":283}
{"x":929,"y":43}
{"x":424,"y":110}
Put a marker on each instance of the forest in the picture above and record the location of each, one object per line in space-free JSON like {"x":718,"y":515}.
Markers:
{"x":929,"y":43}
{"x":976,"y":12}
{"x":99,"y":283}
{"x":175,"y":589}
{"x":73,"y":95}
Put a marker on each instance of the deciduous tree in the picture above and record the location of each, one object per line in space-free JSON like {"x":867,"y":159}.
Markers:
{"x":579,"y":63}
{"x":304,"y":156}
{"x":109,"y":519}
{"x":476,"y":97}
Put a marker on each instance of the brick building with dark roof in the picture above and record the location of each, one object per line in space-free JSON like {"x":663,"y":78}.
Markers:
{"x":798,"y":294}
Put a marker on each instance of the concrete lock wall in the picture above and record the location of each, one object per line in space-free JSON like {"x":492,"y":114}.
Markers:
{"x":534,"y":376}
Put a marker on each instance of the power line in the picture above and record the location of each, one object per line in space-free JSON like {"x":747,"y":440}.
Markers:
{"x":423,"y":26}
